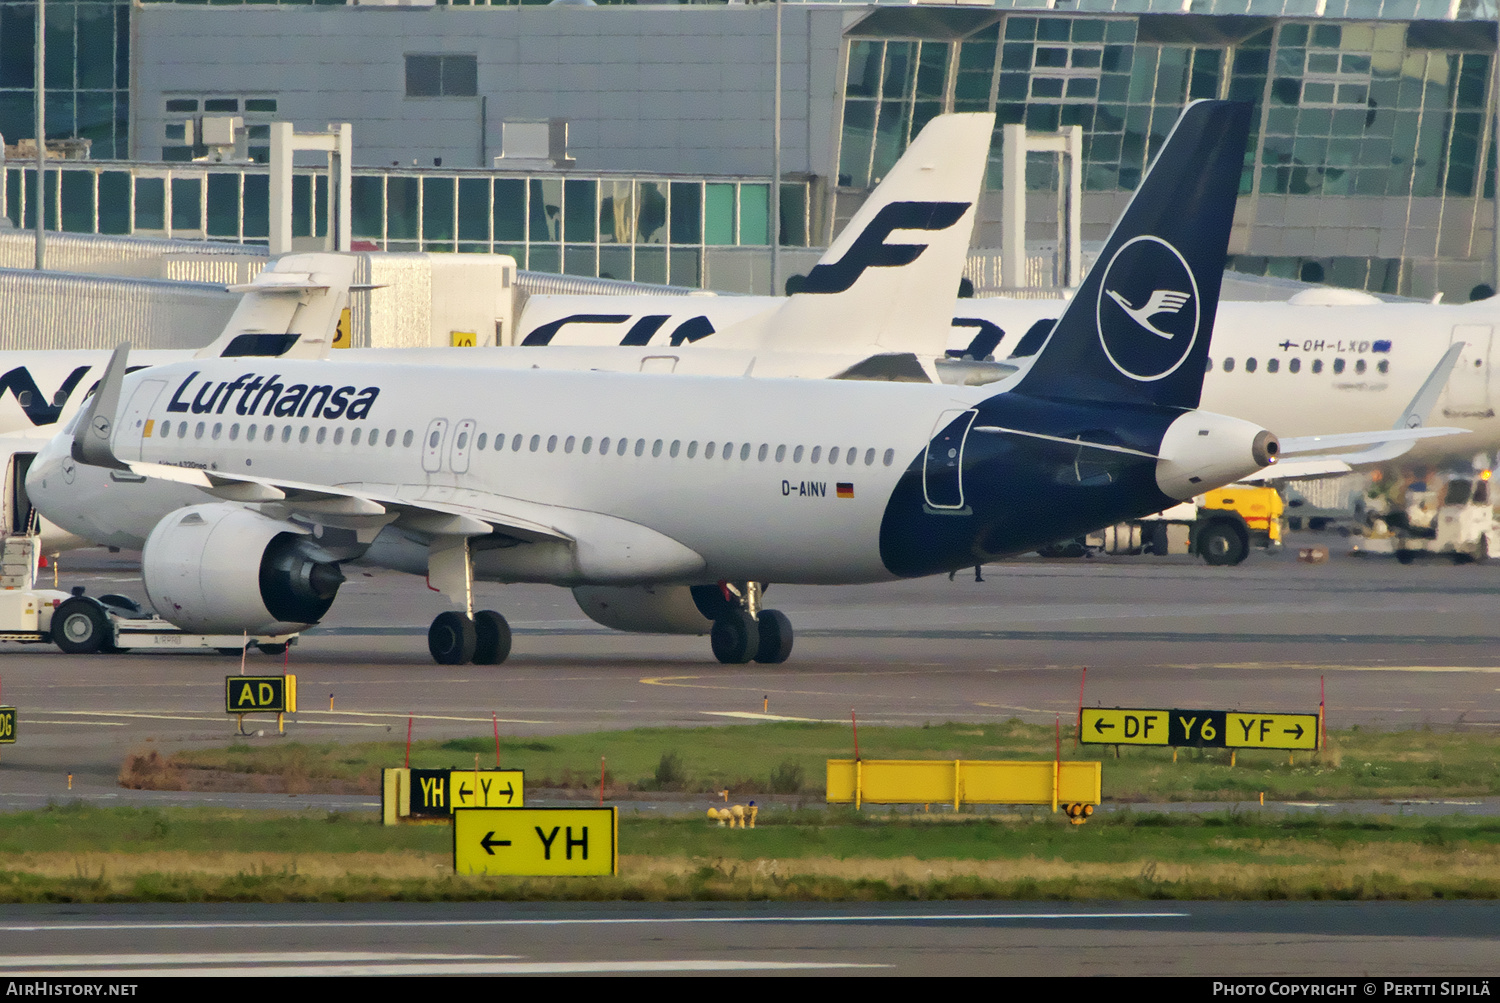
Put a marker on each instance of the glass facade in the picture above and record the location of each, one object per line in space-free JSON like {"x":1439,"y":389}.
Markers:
{"x":1391,"y":120}
{"x":609,"y":226}
{"x":87,"y":76}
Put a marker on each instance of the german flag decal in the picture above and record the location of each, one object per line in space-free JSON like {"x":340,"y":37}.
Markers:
{"x":845,"y":489}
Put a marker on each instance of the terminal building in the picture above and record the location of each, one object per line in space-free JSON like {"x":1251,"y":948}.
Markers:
{"x":1372,"y":160}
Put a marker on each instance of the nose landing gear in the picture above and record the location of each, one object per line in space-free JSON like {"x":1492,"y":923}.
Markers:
{"x":744,"y":632}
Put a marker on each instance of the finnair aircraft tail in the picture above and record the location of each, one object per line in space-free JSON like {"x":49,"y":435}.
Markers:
{"x":887,"y":283}
{"x":291,"y":310}
{"x":1138,"y":330}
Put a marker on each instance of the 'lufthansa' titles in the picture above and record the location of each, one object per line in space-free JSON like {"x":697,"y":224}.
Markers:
{"x":269,"y":397}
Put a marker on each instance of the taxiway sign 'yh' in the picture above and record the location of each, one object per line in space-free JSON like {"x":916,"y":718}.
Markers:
{"x":642,"y":481}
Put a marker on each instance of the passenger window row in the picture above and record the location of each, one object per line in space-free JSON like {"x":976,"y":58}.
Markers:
{"x":849,"y":455}
{"x":622,"y":446}
{"x":270,"y":432}
{"x":1295,"y":366}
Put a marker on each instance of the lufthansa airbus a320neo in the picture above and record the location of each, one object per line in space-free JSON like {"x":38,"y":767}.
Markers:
{"x":695,"y":490}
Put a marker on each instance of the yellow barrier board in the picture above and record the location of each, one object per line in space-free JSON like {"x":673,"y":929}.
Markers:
{"x":1270,"y":731}
{"x":7,"y":725}
{"x":1125,"y":727}
{"x":535,"y":842}
{"x":260,"y":694}
{"x":962,"y":781}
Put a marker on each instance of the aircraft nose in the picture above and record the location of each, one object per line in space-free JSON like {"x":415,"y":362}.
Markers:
{"x":49,"y":474}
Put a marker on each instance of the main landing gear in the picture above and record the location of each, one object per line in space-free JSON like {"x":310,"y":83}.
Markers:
{"x":455,"y":639}
{"x":743,"y":631}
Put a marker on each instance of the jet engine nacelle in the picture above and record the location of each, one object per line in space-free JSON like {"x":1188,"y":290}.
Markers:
{"x":223,"y":569}
{"x":648,"y":609}
{"x":1202,"y":451}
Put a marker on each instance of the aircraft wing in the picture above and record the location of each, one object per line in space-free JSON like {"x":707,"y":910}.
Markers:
{"x":1382,"y":447}
{"x":359,"y":507}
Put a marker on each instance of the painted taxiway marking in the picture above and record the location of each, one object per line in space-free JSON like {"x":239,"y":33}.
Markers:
{"x":419,"y":717}
{"x":953,"y":917}
{"x":33,"y":721}
{"x":307,"y":716}
{"x":747,"y":688}
{"x":1016,"y":708}
{"x":753,"y":716}
{"x":238,"y":957}
{"x":141,"y":715}
{"x":452,"y":968}
{"x":1323,"y":667}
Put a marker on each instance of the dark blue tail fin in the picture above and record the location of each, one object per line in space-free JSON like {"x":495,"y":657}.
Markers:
{"x":1138,"y":329}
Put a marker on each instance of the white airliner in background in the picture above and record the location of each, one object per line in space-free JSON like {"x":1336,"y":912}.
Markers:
{"x":904,"y":245}
{"x":703,"y":488}
{"x":1327,"y":361}
{"x":1319,"y":364}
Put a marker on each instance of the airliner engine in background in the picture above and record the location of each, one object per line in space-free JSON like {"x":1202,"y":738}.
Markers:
{"x":705,"y":487}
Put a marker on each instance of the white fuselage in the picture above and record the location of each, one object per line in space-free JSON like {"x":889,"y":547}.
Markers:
{"x":1357,"y":367}
{"x":767,"y":512}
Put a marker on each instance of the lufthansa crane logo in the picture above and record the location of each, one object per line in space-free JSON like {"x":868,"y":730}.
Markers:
{"x":1148,"y":310}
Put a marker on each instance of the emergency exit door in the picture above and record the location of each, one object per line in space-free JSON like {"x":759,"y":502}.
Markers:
{"x":942,"y":470}
{"x":1468,"y":393}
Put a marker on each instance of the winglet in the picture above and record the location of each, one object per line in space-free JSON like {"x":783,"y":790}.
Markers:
{"x":96,"y":426}
{"x":1422,"y":404}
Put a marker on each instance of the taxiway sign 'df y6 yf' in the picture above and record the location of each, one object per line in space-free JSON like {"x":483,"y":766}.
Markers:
{"x":581,"y":478}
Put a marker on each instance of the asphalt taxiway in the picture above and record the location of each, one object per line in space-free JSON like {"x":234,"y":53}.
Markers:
{"x":1395,"y":647}
{"x":1359,"y":941}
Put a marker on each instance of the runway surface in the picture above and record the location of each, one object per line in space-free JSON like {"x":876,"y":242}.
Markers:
{"x":1446,"y":940}
{"x":1398,"y":646}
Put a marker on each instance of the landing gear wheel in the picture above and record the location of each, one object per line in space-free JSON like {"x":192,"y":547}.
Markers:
{"x":1406,"y":556}
{"x":735,"y":638}
{"x":451,"y":638}
{"x":1482,"y":550}
{"x":775,"y":637}
{"x":1221,"y":546}
{"x":272,"y":649}
{"x":80,"y":627}
{"x":491,"y":638}
{"x":230,"y":652}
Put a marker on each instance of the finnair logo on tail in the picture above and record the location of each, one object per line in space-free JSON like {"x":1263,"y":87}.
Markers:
{"x":870,"y":250}
{"x":1150,"y":341}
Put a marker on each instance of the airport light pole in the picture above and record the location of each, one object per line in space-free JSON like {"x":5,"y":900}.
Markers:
{"x":776,"y":167}
{"x":40,"y":75}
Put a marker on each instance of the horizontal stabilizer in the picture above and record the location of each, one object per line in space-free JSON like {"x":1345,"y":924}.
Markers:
{"x":291,"y":310}
{"x":1299,"y":470}
{"x":1302,"y":444}
{"x":894,"y":367}
{"x":1081,"y":443}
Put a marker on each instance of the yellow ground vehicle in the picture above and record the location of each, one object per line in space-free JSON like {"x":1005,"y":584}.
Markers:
{"x":1220,"y":526}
